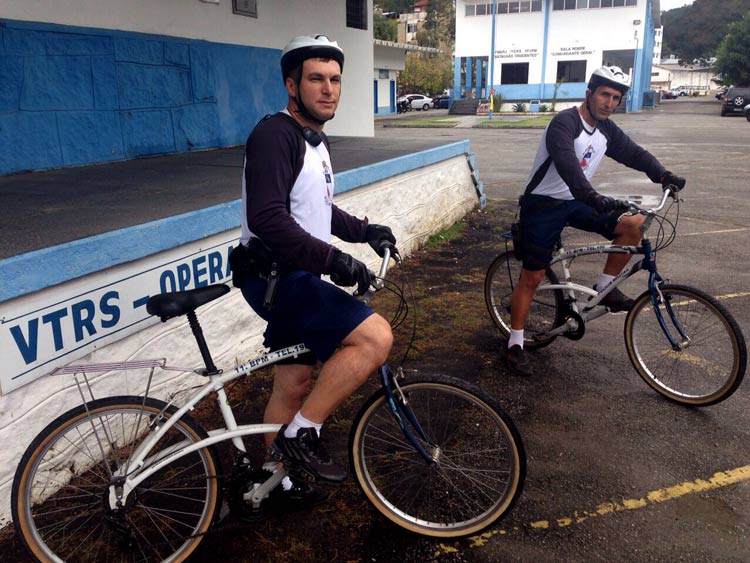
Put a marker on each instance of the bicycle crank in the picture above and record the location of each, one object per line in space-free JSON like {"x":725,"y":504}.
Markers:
{"x":576,"y":327}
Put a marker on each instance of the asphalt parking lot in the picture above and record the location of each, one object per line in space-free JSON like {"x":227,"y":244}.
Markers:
{"x":615,"y":472}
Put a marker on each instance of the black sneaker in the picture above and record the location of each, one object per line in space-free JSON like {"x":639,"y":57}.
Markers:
{"x":517,"y":362}
{"x":301,"y":495}
{"x":306,"y":456}
{"x":616,"y":301}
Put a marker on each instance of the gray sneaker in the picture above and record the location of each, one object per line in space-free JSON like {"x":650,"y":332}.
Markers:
{"x":305,"y":456}
{"x":617,"y":301}
{"x":517,"y":362}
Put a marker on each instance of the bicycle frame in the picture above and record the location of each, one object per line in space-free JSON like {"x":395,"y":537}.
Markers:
{"x":140,"y":467}
{"x":590,"y":311}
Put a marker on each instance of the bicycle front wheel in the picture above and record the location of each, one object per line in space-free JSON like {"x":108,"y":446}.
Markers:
{"x":544,"y":311}
{"x":61,"y":491}
{"x":479,"y":461}
{"x":710,"y":358}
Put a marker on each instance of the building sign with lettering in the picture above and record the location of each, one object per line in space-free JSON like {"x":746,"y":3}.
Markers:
{"x":516,"y":53}
{"x":571,"y":51}
{"x":53,"y":327}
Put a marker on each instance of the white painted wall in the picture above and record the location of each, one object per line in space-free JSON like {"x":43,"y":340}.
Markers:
{"x":277,"y":22}
{"x":416,"y":204}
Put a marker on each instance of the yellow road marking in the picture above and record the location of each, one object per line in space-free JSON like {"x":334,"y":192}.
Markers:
{"x":716,"y":232}
{"x":716,"y":481}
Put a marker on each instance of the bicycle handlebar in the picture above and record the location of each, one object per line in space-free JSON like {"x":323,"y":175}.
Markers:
{"x":669,"y":191}
{"x":389,"y":250}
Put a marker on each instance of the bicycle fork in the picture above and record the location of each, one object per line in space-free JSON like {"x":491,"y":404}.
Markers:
{"x":657,"y":297}
{"x":400,"y":409}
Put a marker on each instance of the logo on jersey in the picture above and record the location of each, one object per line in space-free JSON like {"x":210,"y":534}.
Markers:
{"x":328,"y":175}
{"x":587,"y":155}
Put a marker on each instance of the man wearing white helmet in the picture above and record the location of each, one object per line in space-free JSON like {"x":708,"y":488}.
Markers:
{"x":287,"y":222}
{"x":559,"y":193}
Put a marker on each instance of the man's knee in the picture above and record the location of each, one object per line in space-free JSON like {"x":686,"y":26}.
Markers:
{"x":374,"y":338}
{"x":629,"y":226}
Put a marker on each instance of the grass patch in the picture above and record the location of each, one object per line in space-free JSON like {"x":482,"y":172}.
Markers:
{"x":451,"y":232}
{"x":532,"y":121}
{"x":443,"y":121}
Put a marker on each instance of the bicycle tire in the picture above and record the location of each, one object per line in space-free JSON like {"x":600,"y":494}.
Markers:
{"x":480,"y":460}
{"x":544,"y":311}
{"x":61,"y":487}
{"x":705,"y":371}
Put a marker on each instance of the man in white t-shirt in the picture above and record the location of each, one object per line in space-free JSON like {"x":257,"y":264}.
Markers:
{"x":287,"y":221}
{"x":559,"y":193}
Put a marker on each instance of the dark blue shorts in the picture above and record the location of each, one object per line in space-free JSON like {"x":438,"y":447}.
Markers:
{"x":307,"y":310}
{"x":543,"y":219}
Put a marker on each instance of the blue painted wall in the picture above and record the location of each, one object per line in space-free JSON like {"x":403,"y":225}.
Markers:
{"x":72,"y":95}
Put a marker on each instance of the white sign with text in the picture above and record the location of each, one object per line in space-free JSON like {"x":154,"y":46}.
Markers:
{"x":52,"y":327}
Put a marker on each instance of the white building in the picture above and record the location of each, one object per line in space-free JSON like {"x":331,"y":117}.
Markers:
{"x":537,"y":44}
{"x":695,"y":79}
{"x":658,"y":40}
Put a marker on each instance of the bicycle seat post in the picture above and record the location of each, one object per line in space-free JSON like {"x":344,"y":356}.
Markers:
{"x":202,"y":345}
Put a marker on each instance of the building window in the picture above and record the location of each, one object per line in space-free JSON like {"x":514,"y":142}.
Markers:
{"x":245,"y":7}
{"x":384,"y":73}
{"x":508,"y":7}
{"x":514,"y":73}
{"x":584,"y":4}
{"x":571,"y":71}
{"x":356,"y":14}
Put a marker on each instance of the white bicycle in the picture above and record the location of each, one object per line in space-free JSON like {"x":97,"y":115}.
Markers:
{"x":133,"y":478}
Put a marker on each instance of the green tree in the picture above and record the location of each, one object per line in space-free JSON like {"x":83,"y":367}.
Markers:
{"x":384,"y":28}
{"x":694,"y":32}
{"x":424,"y":74}
{"x":439,"y":29}
{"x":732,"y":56}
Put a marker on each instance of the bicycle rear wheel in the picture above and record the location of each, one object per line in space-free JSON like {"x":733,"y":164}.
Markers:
{"x":544,"y":311}
{"x":60,"y":496}
{"x":479,"y":461}
{"x":711,"y":360}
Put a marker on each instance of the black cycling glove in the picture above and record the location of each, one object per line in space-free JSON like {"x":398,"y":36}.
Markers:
{"x":377,"y":235}
{"x":605,"y":204}
{"x":347,"y":270}
{"x":670,"y":179}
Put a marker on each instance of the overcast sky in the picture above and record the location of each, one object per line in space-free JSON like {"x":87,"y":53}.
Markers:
{"x":665,"y":5}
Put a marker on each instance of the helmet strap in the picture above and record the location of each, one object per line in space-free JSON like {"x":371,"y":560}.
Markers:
{"x":306,"y":113}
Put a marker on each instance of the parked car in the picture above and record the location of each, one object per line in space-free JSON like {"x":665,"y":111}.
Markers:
{"x":668,"y":95}
{"x":720,"y":93}
{"x":735,"y":100}
{"x":679,"y":91}
{"x":441,"y":102}
{"x":417,"y":101}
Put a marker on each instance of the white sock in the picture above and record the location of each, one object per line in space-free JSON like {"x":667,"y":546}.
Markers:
{"x":298,"y":422}
{"x":603,"y":281}
{"x":516,"y":338}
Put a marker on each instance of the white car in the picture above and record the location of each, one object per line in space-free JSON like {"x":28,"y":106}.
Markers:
{"x":417,"y":101}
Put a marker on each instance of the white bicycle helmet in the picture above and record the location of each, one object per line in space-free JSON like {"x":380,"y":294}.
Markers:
{"x":305,"y":47}
{"x":612,"y":76}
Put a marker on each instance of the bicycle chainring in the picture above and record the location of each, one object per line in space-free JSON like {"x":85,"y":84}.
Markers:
{"x":579,"y":329}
